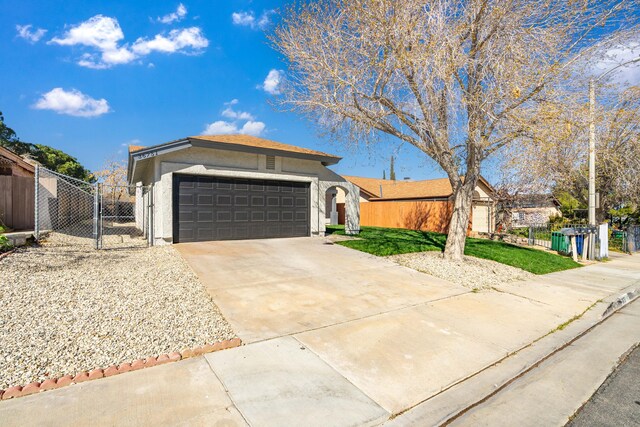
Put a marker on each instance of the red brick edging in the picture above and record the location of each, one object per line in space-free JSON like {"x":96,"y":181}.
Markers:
{"x":6,"y":254}
{"x":53,"y":383}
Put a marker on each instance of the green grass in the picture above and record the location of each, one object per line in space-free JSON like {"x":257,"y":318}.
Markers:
{"x":393,"y":241}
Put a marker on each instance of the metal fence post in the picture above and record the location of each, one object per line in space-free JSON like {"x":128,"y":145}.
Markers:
{"x":151,"y":208}
{"x":532,"y":240}
{"x":36,"y":205}
{"x":96,"y":207}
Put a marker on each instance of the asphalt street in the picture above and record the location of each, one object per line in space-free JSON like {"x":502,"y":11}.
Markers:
{"x":617,"y":401}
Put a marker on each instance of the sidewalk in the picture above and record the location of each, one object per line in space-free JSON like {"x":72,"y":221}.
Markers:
{"x":426,"y":362}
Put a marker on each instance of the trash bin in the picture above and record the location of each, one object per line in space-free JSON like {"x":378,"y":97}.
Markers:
{"x":559,"y":242}
{"x":579,"y":243}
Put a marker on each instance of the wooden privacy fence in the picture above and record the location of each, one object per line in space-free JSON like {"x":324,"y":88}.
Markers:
{"x":17,"y":202}
{"x":427,"y":215}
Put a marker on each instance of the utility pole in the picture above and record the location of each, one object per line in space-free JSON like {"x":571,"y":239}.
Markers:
{"x":592,"y":138}
{"x":592,"y":153}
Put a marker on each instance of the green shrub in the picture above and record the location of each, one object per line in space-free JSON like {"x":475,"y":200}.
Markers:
{"x":5,"y":244}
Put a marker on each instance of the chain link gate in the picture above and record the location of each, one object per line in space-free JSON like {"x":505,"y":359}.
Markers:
{"x":70,"y":211}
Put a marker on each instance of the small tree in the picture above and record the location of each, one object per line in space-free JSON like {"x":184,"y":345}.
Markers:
{"x":113,"y":177}
{"x":392,"y":171}
{"x":453,"y":78}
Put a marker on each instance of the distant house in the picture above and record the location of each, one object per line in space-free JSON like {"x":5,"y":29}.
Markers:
{"x":16,"y":191}
{"x":425,"y":204}
{"x":527,"y":209}
{"x":12,"y":164}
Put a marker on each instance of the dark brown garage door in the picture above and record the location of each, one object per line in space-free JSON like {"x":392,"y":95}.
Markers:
{"x":209,"y":208}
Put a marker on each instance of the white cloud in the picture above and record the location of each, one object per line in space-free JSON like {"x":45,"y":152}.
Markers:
{"x":178,"y":15}
{"x":248,"y":19}
{"x":617,"y":57}
{"x":104,"y":34}
{"x":253,"y":128}
{"x":25,"y":32}
{"x":230,"y":113}
{"x":72,"y":103}
{"x":271,"y":83}
{"x":243,"y":18}
{"x":221,"y":127}
{"x":101,"y":32}
{"x":190,"y":39}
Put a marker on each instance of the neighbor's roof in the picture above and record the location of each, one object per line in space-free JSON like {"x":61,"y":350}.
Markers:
{"x":253,"y":141}
{"x":427,"y":189}
{"x":15,"y":158}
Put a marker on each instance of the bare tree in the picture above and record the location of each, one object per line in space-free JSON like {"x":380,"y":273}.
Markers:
{"x":454,"y":78}
{"x":557,"y":156}
{"x":113,"y":177}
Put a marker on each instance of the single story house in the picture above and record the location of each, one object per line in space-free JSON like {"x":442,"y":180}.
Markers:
{"x":17,"y":191}
{"x":225,"y":187}
{"x":528,"y":209}
{"x":432,"y":213}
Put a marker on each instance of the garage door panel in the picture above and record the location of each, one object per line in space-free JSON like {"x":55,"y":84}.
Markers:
{"x":241,"y":200}
{"x":205,"y":200}
{"x":187,"y":199}
{"x":223,"y":200}
{"x":241,"y":216}
{"x":205,"y":216}
{"x":286,"y":201}
{"x":257,"y":200}
{"x":209,"y":208}
{"x":224,"y":216}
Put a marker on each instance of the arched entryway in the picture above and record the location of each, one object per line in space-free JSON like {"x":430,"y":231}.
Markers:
{"x":341,"y":206}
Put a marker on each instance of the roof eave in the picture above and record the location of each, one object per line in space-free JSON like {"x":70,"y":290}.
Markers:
{"x":153,"y":151}
{"x":326,"y":160}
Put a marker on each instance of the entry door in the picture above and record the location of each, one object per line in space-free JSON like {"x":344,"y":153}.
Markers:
{"x":210,"y":208}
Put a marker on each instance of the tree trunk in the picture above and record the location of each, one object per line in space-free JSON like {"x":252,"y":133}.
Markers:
{"x":462,"y":199}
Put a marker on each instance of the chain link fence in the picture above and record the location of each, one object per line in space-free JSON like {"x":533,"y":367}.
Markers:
{"x":74,"y":212}
{"x":550,"y":236}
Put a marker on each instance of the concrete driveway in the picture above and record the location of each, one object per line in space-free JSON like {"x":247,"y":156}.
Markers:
{"x":334,"y":337}
{"x":276,"y":287}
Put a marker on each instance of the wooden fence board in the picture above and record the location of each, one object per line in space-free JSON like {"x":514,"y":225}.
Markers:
{"x":413,"y":215}
{"x":17,"y":202}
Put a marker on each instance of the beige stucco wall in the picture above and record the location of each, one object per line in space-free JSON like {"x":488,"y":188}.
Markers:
{"x":232,"y":164}
{"x":533,"y":215}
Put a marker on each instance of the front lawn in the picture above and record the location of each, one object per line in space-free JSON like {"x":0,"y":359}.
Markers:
{"x":394,"y":241}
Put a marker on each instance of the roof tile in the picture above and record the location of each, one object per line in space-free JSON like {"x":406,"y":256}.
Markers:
{"x":252,"y":141}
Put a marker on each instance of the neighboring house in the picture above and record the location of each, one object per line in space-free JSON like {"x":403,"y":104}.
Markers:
{"x":431,"y":213}
{"x":237,"y":187}
{"x":16,"y":191}
{"x":527,"y":209}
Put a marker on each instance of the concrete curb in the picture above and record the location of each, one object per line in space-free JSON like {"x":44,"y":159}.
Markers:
{"x":54,"y":383}
{"x":455,"y":400}
{"x":621,"y":301}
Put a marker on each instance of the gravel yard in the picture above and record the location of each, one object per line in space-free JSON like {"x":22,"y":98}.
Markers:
{"x":474,"y":273}
{"x":67,"y":309}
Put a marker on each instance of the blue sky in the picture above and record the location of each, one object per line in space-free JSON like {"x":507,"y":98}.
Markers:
{"x":91,"y":77}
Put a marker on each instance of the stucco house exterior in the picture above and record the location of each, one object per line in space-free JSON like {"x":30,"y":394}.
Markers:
{"x":434,"y":192}
{"x":528,"y":209}
{"x":225,"y":187}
